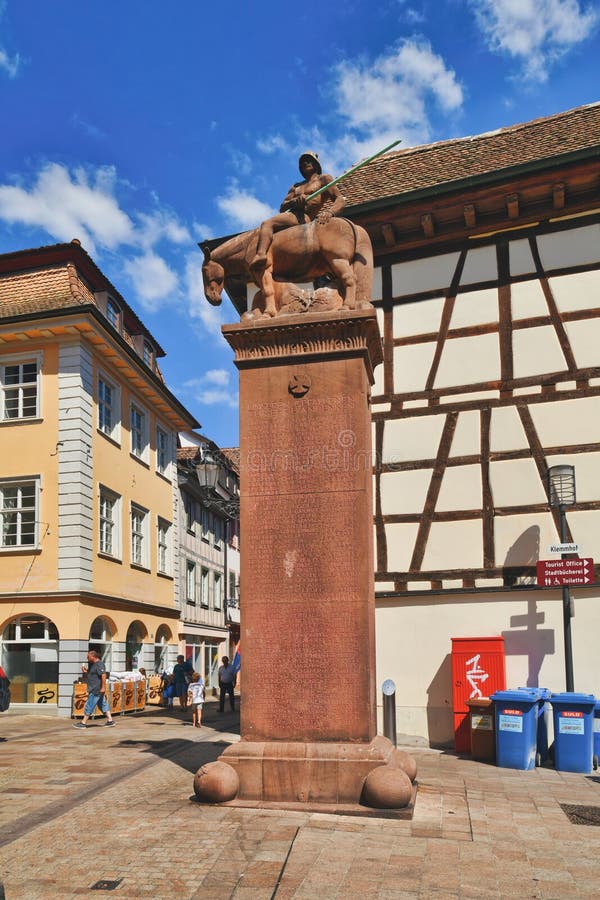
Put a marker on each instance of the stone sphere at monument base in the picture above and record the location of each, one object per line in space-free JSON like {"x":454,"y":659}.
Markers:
{"x":216,"y":782}
{"x":387,"y":787}
{"x":400,"y":759}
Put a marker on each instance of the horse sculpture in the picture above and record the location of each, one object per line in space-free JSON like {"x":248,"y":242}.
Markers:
{"x":299,"y":254}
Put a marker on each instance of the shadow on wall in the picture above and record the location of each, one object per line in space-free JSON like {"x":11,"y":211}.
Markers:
{"x":440,"y":718}
{"x":528,"y":639}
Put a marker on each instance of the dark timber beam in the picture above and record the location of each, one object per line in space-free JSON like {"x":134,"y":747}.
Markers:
{"x":389,"y":235}
{"x":512,"y":206}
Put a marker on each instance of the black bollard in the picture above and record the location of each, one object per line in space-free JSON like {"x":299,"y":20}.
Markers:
{"x":389,"y":710}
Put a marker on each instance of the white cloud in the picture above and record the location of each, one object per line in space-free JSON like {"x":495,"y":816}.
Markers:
{"x":274,"y":143}
{"x":243,"y":209}
{"x":152,"y":279}
{"x":68,"y":206}
{"x":202,"y":232}
{"x":213,"y":388}
{"x":161,"y":225}
{"x":534,"y":32}
{"x":9,"y":64}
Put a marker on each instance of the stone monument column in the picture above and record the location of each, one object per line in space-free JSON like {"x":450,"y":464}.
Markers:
{"x":308,"y":713}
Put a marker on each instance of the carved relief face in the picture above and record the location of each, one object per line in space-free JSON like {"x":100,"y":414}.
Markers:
{"x":213,"y":277}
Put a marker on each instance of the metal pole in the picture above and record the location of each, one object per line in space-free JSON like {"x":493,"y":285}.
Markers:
{"x":566,"y":610}
{"x":355,"y":168}
{"x":389,"y":710}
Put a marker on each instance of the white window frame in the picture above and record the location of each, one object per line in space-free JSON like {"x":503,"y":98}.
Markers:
{"x":138,"y":532}
{"x":163,"y":466}
{"x":218,"y":532}
{"x":204,"y":522}
{"x":163,"y":546}
{"x":217,"y":591}
{"x":141,"y":433}
{"x":18,"y":511}
{"x":114,"y":432}
{"x":148,"y":354}
{"x":204,"y":587}
{"x":113,"y":306}
{"x":114,"y":523}
{"x":190,"y":581}
{"x":21,"y":386}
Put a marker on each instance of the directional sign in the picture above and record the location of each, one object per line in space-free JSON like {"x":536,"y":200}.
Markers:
{"x":555,"y":572}
{"x":563,"y":548}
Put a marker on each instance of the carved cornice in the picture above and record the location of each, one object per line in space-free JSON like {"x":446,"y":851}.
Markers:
{"x":354,"y":333}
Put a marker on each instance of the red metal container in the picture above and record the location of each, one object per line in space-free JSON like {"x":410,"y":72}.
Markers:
{"x":478,"y":670}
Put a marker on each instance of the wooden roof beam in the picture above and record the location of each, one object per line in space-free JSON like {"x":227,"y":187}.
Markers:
{"x":389,"y":235}
{"x":558,"y":196}
{"x":512,"y":206}
{"x":427,"y":225}
{"x":470,"y":216}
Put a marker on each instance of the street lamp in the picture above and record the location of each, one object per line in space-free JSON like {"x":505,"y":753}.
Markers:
{"x":561,"y":493}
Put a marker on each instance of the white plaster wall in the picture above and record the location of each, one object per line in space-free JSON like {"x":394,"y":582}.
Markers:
{"x":585,"y":528}
{"x":580,"y":290}
{"x":567,"y":421}
{"x":475,"y":308}
{"x":584,"y":338}
{"x":419,"y":317}
{"x":414,"y":646}
{"x":407,"y":439}
{"x":411,"y":367}
{"x":404,"y":492}
{"x":506,"y":430}
{"x":516,"y":482}
{"x":460,"y":489}
{"x":378,"y":384}
{"x":466,"y":438}
{"x":536,"y":351}
{"x":527,"y":300}
{"x":469,"y":360}
{"x":480,"y":265}
{"x":454,"y":545}
{"x":578,"y":246}
{"x":520,"y":258}
{"x":400,"y":539}
{"x":377,"y":292}
{"x":420,"y":275}
{"x":522,"y":540}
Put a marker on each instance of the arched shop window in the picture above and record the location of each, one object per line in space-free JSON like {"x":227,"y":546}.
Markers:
{"x":134,"y":646}
{"x":161,"y":649}
{"x":29,"y":656}
{"x":101,"y":640}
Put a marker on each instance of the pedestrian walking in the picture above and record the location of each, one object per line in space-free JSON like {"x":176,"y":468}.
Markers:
{"x":196,"y":698}
{"x":95,"y":678}
{"x":227,"y":679}
{"x":180,"y":683}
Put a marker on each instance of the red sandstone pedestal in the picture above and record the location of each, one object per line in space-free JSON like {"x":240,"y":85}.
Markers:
{"x":308,"y":720}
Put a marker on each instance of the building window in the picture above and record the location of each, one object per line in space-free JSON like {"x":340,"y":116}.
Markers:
{"x":100,"y":640}
{"x":29,"y":656}
{"x":218,"y":532}
{"x":139,"y":432}
{"x":162,"y":450}
{"x":232,"y":586}
{"x":189,"y":507}
{"x":218,"y":591}
{"x":190,"y":582}
{"x":18,"y":514}
{"x":139,"y":536}
{"x":109,"y":523}
{"x":108,"y":408}
{"x":205,"y":520}
{"x":161,"y":649}
{"x":164,"y":548}
{"x":20,"y":389}
{"x":113,"y":314}
{"x":204,"y":587}
{"x":148,"y":354}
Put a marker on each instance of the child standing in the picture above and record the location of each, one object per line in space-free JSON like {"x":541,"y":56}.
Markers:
{"x":196,"y":698}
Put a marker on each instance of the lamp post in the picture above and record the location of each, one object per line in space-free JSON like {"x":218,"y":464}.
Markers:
{"x":561,"y":493}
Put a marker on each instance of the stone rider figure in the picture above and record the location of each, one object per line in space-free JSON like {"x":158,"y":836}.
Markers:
{"x":296,"y":209}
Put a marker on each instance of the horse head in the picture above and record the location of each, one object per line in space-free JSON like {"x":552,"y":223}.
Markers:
{"x":213,"y":276}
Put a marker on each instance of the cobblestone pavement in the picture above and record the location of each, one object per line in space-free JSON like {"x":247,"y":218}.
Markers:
{"x":116,"y":804}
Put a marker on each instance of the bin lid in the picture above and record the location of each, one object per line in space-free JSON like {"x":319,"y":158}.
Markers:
{"x":543,"y":693}
{"x":529,"y":695}
{"x":571,"y":697}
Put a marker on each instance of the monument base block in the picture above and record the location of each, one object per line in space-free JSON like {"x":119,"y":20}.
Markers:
{"x":315,"y":776}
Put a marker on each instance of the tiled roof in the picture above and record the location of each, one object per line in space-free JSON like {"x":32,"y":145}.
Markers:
{"x":41,"y":290}
{"x":187,"y":452}
{"x":233,"y":455}
{"x":430,"y":165}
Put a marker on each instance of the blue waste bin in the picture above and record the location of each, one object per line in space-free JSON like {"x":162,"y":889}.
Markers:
{"x":516,"y":714}
{"x":544,"y":714}
{"x":573,"y":731}
{"x":596,"y":734}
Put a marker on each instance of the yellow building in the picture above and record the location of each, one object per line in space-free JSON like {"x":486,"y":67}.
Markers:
{"x":88,"y":517}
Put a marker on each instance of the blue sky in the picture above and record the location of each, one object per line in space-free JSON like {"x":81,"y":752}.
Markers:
{"x":141,"y":127}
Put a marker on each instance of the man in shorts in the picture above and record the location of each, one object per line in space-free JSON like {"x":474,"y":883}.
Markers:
{"x":95,"y":678}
